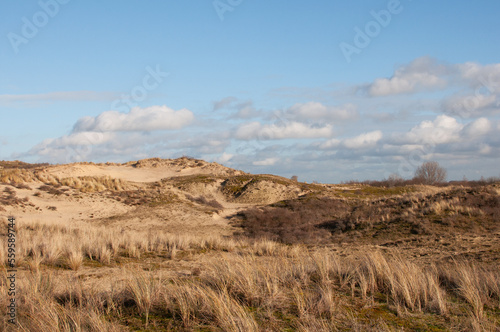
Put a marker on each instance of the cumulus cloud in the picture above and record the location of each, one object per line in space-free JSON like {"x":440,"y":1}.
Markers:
{"x":224,"y":158}
{"x":444,"y":129}
{"x":223,"y":103}
{"x":483,"y":96}
{"x":475,"y":88}
{"x":330,"y":144}
{"x":265,"y":162}
{"x":138,"y":119}
{"x":421,"y":74}
{"x":444,"y":137}
{"x":239,"y":109}
{"x":118,"y":134}
{"x":479,"y":127}
{"x":472,"y":91}
{"x":246,"y":110}
{"x":316,"y":110}
{"x":256,"y":130}
{"x":470,"y":105}
{"x":69,"y":148}
{"x":481,"y":76}
{"x":364,"y":140}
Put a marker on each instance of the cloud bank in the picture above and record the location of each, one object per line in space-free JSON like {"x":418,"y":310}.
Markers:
{"x":423,"y":110}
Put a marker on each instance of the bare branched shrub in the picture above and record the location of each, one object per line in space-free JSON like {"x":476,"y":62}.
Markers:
{"x":430,"y":173}
{"x":295,"y":222}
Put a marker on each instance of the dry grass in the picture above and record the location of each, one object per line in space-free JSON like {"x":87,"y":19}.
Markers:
{"x":261,"y":286}
{"x":302,"y":266}
{"x":88,"y":184}
{"x":204,"y":201}
{"x":20,"y":176}
{"x":144,"y":289}
{"x":320,"y":219}
{"x":59,"y":244}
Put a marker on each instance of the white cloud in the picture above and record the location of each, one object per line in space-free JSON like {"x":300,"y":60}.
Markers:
{"x":60,"y":96}
{"x":265,"y":162}
{"x":138,"y":119}
{"x":477,"y":86}
{"x":468,"y":106}
{"x":315,"y":110}
{"x":485,"y":149}
{"x":421,"y":74}
{"x":225,"y":157}
{"x":256,"y":130}
{"x":246,"y":110}
{"x":330,"y":144}
{"x":444,"y":129}
{"x":225,"y":102}
{"x":361,"y":141}
{"x":364,"y":140}
{"x":484,"y":96}
{"x":479,"y":127}
{"x":70,"y":148}
{"x":481,"y":76}
{"x":121,"y":134}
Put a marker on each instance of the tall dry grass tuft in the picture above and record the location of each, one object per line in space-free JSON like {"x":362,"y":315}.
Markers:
{"x":103,"y":254}
{"x":3,"y":254}
{"x":184,"y":302}
{"x":74,"y":258}
{"x":265,"y":247}
{"x":229,"y":313}
{"x":468,"y":282}
{"x":144,"y":288}
{"x":33,"y":262}
{"x":49,"y":302}
{"x":89,"y":184}
{"x":254,"y":283}
{"x":196,"y":304}
{"x":408,"y":284}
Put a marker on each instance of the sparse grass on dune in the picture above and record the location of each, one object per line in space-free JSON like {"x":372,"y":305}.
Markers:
{"x":334,"y":258}
{"x":24,"y":175}
{"x":55,"y":243}
{"x":88,"y":184}
{"x":241,"y":291}
{"x":316,"y":219}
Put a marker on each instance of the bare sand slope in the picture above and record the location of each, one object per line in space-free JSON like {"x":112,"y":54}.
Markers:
{"x":147,"y":170}
{"x":71,"y":206}
{"x":139,"y":207}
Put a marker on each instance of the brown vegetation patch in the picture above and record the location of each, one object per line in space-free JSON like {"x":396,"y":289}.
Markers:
{"x":213,"y":203}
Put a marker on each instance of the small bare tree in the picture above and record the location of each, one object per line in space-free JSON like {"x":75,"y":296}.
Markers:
{"x":430,"y":173}
{"x":294,"y":178}
{"x":394,"y":180}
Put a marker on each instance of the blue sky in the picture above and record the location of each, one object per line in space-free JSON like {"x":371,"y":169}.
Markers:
{"x":329,"y":91}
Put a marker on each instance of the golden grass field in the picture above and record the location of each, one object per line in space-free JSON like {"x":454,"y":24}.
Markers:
{"x":187,"y":245}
